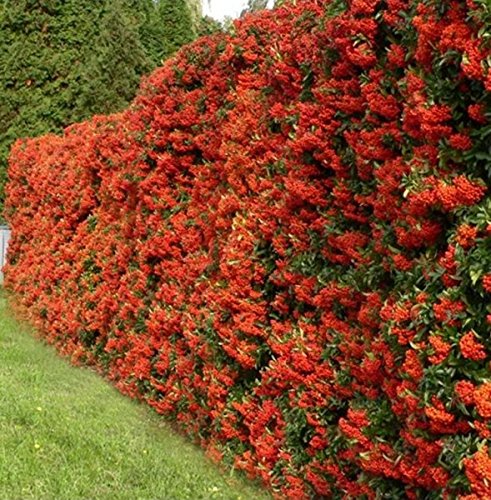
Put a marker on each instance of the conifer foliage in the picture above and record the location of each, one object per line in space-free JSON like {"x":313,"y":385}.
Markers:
{"x":63,"y":61}
{"x":173,"y":25}
{"x":115,"y":64}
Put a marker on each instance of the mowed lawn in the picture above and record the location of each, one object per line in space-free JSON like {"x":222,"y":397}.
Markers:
{"x":67,"y":434}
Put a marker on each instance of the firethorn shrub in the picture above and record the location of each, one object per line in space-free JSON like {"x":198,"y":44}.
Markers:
{"x":284,"y":245}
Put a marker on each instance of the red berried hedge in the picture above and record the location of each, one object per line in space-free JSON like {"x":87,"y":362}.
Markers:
{"x":284,"y":245}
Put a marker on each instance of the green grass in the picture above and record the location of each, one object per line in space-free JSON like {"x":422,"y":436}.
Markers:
{"x":67,"y":434}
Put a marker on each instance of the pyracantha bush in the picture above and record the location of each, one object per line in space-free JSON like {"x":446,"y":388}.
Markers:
{"x":284,"y":245}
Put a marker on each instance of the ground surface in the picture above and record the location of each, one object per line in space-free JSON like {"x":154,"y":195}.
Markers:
{"x":67,"y":434}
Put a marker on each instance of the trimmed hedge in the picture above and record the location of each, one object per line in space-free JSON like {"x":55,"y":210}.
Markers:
{"x":284,"y":245}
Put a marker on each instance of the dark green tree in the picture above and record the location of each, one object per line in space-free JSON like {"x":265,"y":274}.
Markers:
{"x":62,"y":61}
{"x":41,"y":42}
{"x":143,"y":13}
{"x":174,"y":26}
{"x":115,"y":62}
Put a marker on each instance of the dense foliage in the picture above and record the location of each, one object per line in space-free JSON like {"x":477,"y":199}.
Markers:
{"x":284,"y":245}
{"x":65,"y":60}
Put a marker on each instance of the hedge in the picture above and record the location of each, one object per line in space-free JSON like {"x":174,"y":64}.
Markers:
{"x":284,"y":246}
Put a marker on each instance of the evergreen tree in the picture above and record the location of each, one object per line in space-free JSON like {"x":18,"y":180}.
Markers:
{"x":63,"y":60}
{"x":41,"y":42}
{"x":115,"y":63}
{"x":196,"y":9}
{"x":174,"y":26}
{"x":143,"y":14}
